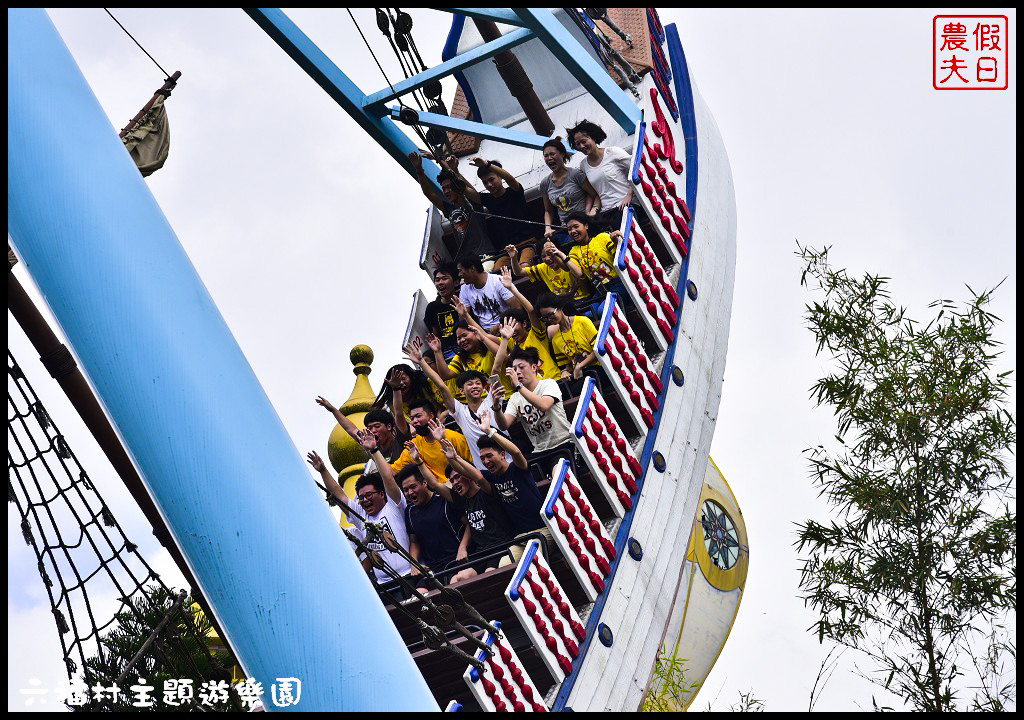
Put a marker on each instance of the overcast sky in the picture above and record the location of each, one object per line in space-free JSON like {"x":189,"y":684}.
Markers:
{"x":835,"y":135}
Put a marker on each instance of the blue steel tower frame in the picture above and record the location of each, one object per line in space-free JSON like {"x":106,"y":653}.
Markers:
{"x":92,"y":236}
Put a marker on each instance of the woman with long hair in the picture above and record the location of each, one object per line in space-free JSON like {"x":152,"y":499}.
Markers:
{"x":564,"y":191}
{"x":403,"y":385}
{"x":473,"y":354}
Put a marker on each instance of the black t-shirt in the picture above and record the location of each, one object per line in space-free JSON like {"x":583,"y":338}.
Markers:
{"x":520,"y":497}
{"x":397,"y":446}
{"x":473,"y":235}
{"x":511,"y":204}
{"x":486,"y":517}
{"x":441,"y":318}
{"x":438,"y":528}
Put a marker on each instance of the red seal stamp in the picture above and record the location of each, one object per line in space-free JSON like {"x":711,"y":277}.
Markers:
{"x":970,"y":52}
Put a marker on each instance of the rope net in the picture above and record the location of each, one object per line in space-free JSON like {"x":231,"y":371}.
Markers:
{"x":88,"y":566}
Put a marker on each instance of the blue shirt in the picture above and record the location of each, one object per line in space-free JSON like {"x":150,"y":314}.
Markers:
{"x":438,"y":528}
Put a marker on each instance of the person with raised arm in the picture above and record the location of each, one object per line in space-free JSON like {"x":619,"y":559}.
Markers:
{"x":475,"y":498}
{"x":461,"y":209}
{"x":403,"y":385}
{"x":429,"y":433}
{"x":511,"y":482}
{"x":378,"y":422}
{"x":537,"y":404}
{"x":440,"y":316}
{"x":379,"y":500}
{"x":528,"y":331}
{"x":439,"y":535}
{"x":483,"y":292}
{"x":508,"y":217}
{"x":607,"y":169}
{"x":473,"y":354}
{"x":559,"y":273}
{"x":473,"y":385}
{"x":573,"y":337}
{"x":564,"y":191}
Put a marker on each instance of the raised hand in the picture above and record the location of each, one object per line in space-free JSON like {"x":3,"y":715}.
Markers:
{"x":511,"y":250}
{"x":414,"y":452}
{"x":413,"y":354}
{"x":433,"y":343}
{"x":325,"y":404}
{"x":460,"y":308}
{"x":506,"y":277}
{"x":484,"y":423}
{"x":316,"y":461}
{"x":509,"y":327}
{"x":416,"y":162}
{"x":367,"y":441}
{"x":436,"y":429}
{"x":392,"y":381}
{"x":479,"y":162}
{"x":448,"y":449}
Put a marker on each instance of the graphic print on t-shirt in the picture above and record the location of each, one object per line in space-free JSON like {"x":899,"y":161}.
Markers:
{"x":506,"y":489}
{"x":385,"y":527}
{"x":484,"y":307}
{"x":446,"y":323}
{"x":535,"y":421}
{"x":476,"y":519}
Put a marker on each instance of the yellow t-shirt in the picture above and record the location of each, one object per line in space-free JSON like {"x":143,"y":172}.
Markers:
{"x":433,"y":455}
{"x":596,"y":259}
{"x":537,"y":339}
{"x":481,"y":362}
{"x":560,"y":282}
{"x":574,"y":344}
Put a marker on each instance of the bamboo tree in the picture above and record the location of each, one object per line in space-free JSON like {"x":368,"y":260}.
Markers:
{"x":920,"y":557}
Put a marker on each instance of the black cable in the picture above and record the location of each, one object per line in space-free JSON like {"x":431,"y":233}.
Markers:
{"x":419,"y":132}
{"x":373,"y":55}
{"x":167,"y":75}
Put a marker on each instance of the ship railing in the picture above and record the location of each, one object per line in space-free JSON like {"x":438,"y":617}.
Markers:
{"x":639,"y":324}
{"x":504,"y":686}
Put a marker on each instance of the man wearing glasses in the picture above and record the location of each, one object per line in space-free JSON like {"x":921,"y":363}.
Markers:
{"x":379,"y":500}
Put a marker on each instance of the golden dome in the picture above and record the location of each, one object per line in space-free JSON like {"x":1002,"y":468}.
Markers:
{"x":344,"y":453}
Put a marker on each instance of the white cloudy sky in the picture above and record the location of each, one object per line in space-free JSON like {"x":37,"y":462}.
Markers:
{"x":835,"y":136}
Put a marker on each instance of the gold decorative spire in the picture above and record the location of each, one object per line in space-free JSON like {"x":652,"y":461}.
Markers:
{"x":344,"y":453}
{"x":362,"y":397}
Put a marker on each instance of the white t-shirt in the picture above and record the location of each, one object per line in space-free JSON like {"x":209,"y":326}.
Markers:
{"x":487,"y":303}
{"x":546,"y":429}
{"x":391,"y":518}
{"x":611,"y":178}
{"x":470,"y":429}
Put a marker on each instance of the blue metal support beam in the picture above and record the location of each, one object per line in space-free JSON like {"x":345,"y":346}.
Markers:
{"x":481,"y":130}
{"x":213,"y":452}
{"x":498,"y":15}
{"x":337,"y":84}
{"x":591,"y":74}
{"x":375,"y":103}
